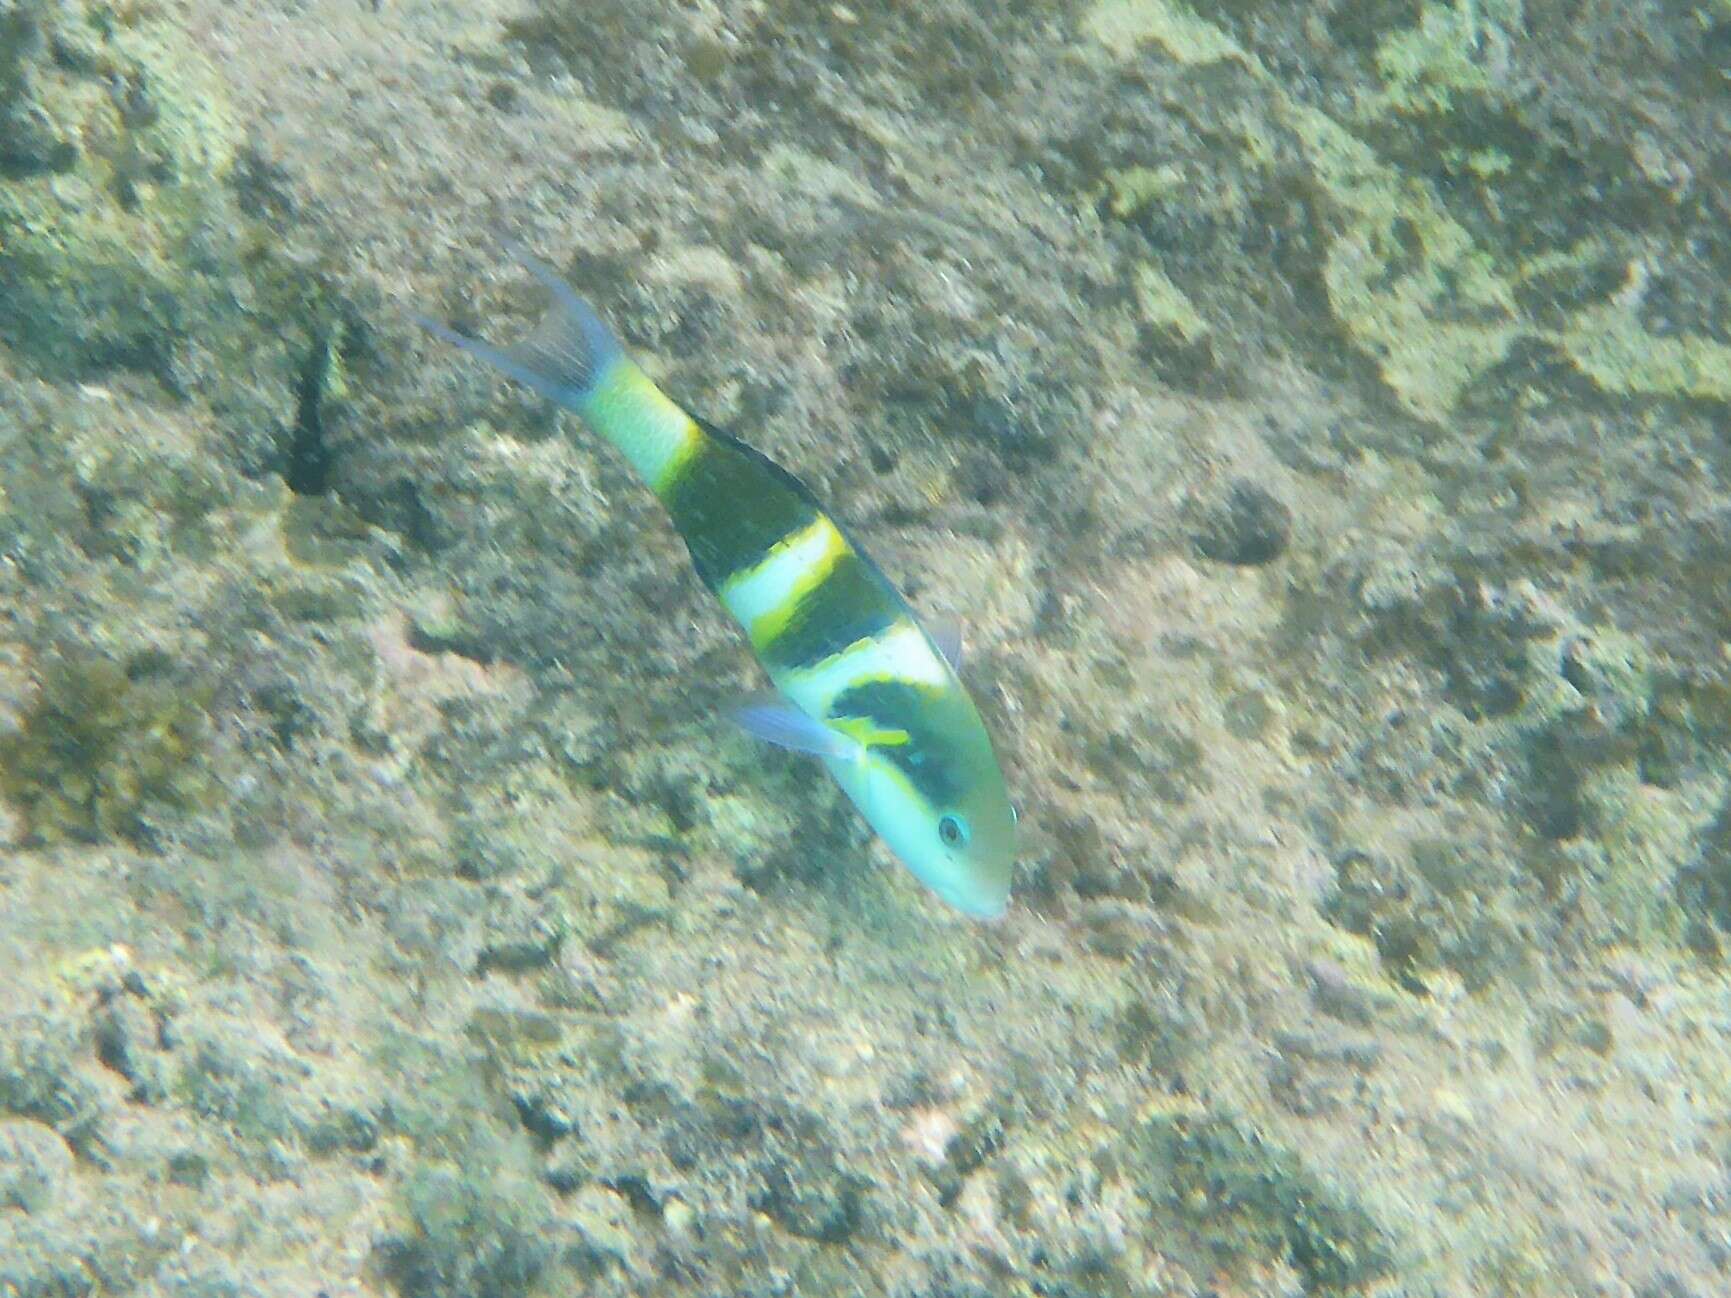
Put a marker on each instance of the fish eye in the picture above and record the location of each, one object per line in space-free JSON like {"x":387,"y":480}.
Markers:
{"x":953,"y":830}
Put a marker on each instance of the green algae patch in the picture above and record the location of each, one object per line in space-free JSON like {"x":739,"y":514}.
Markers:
{"x":1127,"y":192}
{"x":1164,"y":305}
{"x":1610,"y":346}
{"x":1404,"y":279}
{"x":104,"y":748}
{"x":1446,"y":54}
{"x":1249,"y":1202}
{"x":1122,"y":25}
{"x":1433,"y":307}
{"x":1401,"y":317}
{"x":111,"y":185}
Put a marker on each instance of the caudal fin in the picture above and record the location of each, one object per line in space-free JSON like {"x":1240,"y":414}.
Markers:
{"x":563,"y":357}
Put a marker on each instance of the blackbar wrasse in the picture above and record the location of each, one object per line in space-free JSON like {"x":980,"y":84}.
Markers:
{"x":860,"y":683}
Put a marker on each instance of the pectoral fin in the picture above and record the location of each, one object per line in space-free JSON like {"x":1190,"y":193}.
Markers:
{"x":946,"y":636}
{"x":776,"y":721}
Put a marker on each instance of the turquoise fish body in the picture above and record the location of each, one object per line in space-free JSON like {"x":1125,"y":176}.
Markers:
{"x":865,"y":688}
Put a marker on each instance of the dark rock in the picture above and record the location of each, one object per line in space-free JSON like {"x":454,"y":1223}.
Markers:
{"x":1249,"y":528}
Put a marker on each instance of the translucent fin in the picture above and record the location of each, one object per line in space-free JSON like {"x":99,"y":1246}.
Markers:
{"x":562,"y":357}
{"x":770,"y":718}
{"x":501,"y":359}
{"x":946,"y":635}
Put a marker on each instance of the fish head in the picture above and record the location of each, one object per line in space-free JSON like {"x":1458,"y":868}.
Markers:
{"x":936,"y":796}
{"x":969,"y":865}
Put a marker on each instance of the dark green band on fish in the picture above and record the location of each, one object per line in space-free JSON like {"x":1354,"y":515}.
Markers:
{"x":847,"y":606}
{"x":928,"y":757}
{"x":730,"y":511}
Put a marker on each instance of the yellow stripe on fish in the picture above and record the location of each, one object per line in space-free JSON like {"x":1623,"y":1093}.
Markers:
{"x":763,"y":597}
{"x":898,"y":653}
{"x":657,"y":437}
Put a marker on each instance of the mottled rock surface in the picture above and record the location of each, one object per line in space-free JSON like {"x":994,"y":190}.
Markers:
{"x":1316,"y":412}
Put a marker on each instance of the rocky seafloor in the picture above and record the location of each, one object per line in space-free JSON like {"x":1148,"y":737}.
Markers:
{"x":1318,"y":415}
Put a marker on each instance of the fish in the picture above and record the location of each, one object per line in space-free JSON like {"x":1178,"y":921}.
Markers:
{"x":858,"y":681}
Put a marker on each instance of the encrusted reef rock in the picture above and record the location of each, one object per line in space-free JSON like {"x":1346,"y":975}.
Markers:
{"x":115,"y":149}
{"x":1317,"y":414}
